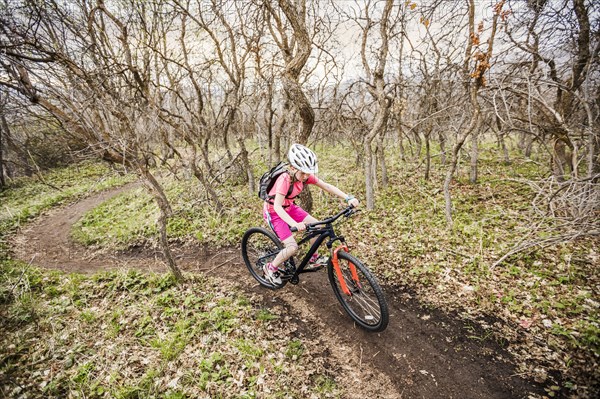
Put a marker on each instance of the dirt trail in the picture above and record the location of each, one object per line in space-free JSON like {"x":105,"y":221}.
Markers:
{"x":422,"y":354}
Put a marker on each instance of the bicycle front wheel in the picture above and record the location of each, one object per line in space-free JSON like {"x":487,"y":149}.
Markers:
{"x":259,"y":247}
{"x":359,"y":292}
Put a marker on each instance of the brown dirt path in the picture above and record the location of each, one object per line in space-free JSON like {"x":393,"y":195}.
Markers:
{"x":422,"y":354}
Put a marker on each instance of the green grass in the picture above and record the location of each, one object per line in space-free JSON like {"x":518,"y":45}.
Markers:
{"x":123,"y":345}
{"x":130,"y":219}
{"x":26,"y":198}
{"x":294,"y":349}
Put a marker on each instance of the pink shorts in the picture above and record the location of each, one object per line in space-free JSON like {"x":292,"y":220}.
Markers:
{"x":280,"y":227}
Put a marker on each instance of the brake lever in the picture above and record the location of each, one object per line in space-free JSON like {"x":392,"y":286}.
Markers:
{"x":351,"y":212}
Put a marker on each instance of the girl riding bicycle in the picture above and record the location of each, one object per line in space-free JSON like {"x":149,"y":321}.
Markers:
{"x":281,"y":212}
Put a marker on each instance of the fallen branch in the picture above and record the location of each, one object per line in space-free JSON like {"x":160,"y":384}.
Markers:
{"x":23,"y":273}
{"x":569,"y":210}
{"x":219,"y":265}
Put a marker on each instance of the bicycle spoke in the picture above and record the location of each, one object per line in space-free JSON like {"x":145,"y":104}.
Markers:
{"x":358,"y":299}
{"x":367,"y":304}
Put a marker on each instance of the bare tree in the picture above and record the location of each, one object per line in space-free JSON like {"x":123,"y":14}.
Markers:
{"x":295,"y":45}
{"x":13,"y":154}
{"x":474,"y":80}
{"x":374,"y":51}
{"x":103,"y":93}
{"x":4,"y":131}
{"x":554,"y":83}
{"x":185,"y":83}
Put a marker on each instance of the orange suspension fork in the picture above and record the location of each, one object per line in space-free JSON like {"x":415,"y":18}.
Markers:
{"x":338,"y":270}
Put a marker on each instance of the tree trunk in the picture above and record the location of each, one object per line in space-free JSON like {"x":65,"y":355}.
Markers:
{"x":205,"y":153}
{"x":522,"y":144}
{"x":381,"y":159}
{"x":401,"y":142}
{"x":454,"y":162}
{"x":228,"y":121}
{"x":472,"y":88}
{"x":378,"y":126}
{"x":374,"y":171}
{"x":165,"y":213}
{"x":281,"y":122}
{"x":561,"y":159}
{"x":246,"y":165}
{"x":443,"y":150}
{"x":418,"y":145}
{"x":593,"y":156}
{"x":2,"y":181}
{"x":427,"y":156}
{"x":296,"y":14}
{"x":377,"y":90}
{"x":474,"y":157}
{"x":504,"y":148}
{"x":298,"y":98}
{"x":269,"y":122}
{"x":197,"y":172}
{"x":528,"y":145}
{"x":369,"y":178}
{"x":592,"y":130}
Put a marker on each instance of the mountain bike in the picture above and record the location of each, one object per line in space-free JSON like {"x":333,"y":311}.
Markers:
{"x":354,"y":285}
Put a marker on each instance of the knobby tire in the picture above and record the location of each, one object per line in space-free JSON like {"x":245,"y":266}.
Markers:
{"x":257,"y":243}
{"x":366,"y":305}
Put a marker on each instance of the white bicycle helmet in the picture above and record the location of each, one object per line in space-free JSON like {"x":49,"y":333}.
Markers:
{"x":303,"y":159}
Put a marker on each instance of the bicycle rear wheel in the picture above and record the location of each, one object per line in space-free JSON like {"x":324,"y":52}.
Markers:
{"x":364,"y":301}
{"x":259,"y":247}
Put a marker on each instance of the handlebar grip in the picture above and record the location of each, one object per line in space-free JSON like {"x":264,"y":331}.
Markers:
{"x":293,"y":229}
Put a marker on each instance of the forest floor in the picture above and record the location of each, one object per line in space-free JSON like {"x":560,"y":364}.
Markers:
{"x":424,"y":353}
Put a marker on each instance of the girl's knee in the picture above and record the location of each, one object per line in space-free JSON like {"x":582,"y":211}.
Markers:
{"x":290,"y":247}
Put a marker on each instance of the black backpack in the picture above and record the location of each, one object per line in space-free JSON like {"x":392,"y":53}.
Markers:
{"x":268,"y":180}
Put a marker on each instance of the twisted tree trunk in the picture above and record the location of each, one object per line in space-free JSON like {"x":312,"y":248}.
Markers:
{"x":165,"y":213}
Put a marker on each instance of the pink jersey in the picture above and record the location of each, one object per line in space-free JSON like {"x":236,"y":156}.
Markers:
{"x":282,"y":185}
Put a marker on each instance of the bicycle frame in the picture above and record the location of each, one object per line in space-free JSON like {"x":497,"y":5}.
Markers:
{"x":322,"y":233}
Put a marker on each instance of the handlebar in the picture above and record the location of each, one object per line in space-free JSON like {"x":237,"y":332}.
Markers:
{"x":347,"y":212}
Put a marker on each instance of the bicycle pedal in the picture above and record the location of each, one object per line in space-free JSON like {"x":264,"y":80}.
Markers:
{"x":289,"y":271}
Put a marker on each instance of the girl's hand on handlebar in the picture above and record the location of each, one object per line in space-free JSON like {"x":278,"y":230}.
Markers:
{"x":354,"y":202}
{"x":299,"y":226}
